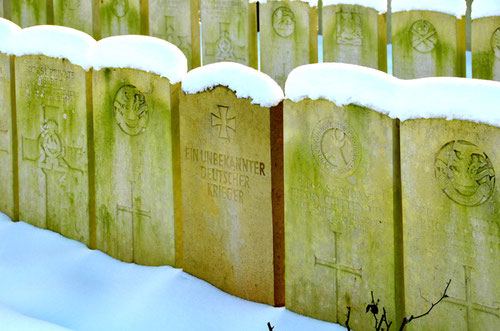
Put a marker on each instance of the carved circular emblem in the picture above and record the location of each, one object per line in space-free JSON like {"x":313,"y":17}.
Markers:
{"x":465,"y":173}
{"x":224,"y":46}
{"x":120,"y":8}
{"x":423,"y":36}
{"x":336,"y":147}
{"x":131,"y":110}
{"x":495,"y":43}
{"x":283,"y":21}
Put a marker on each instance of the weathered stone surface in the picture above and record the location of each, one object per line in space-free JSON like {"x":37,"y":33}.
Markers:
{"x":28,"y":12}
{"x":229,"y":31}
{"x":133,"y":126}
{"x":486,"y":48}
{"x":451,"y":208}
{"x":288,"y":35}
{"x":119,"y":17}
{"x":1,"y":8}
{"x":76,"y":14}
{"x":354,"y":34}
{"x":231,"y":195}
{"x":52,"y":135}
{"x":177,"y":21}
{"x":427,"y":44}
{"x":339,"y":211}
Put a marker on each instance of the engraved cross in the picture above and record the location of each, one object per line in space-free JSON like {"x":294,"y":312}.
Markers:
{"x":4,"y":141}
{"x":223,"y":121}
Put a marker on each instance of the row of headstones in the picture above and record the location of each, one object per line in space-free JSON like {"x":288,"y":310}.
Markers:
{"x":425,"y":43}
{"x":241,"y":189}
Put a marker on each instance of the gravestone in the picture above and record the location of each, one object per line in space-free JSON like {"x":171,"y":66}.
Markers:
{"x":28,"y":12}
{"x":177,"y":21}
{"x":340,"y":212}
{"x":119,"y":17}
{"x":427,"y":43}
{"x":7,"y":155}
{"x":289,"y":37}
{"x":232,"y":207}
{"x":1,"y":8}
{"x":229,"y":31}
{"x":76,"y":14}
{"x":485,"y":42}
{"x":135,"y":138}
{"x":355,"y":34}
{"x":52,"y":129}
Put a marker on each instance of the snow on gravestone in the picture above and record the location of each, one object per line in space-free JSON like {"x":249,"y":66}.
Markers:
{"x":135,"y":95}
{"x":354,"y":31}
{"x":451,"y":203}
{"x":232,"y":209}
{"x":428,"y":38}
{"x":289,"y":36}
{"x":7,"y":31}
{"x":51,"y":98}
{"x":486,"y":39}
{"x":339,"y":186}
{"x":229,"y":31}
{"x":76,"y":14}
{"x":119,"y":17}
{"x":28,"y":12}
{"x":177,"y":21}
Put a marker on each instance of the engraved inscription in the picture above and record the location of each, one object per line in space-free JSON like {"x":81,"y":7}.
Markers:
{"x":349,"y":29}
{"x":131,"y":110}
{"x":495,"y":43}
{"x":120,"y":8}
{"x":335,"y":147}
{"x":172,"y":36}
{"x":465,"y":173}
{"x":423,"y":36}
{"x":283,"y":22}
{"x":223,"y":121}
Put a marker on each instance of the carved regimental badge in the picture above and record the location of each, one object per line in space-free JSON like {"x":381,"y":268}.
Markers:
{"x":465,"y":173}
{"x":283,"y":22}
{"x":120,"y":8}
{"x":423,"y":36}
{"x":336,"y":147}
{"x":349,"y":29}
{"x":52,"y":150}
{"x":131,"y":110}
{"x":495,"y":43}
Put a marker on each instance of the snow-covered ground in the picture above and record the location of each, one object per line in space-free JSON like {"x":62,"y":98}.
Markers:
{"x":48,"y":282}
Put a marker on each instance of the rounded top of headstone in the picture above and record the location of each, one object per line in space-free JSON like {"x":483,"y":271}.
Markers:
{"x":7,"y":30}
{"x":312,"y":3}
{"x":54,"y":41}
{"x":451,"y":7}
{"x":145,"y":53}
{"x":244,"y":81}
{"x":378,"y":5}
{"x":485,"y":8}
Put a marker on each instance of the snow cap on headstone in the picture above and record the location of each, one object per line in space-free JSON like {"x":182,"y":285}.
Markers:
{"x":145,"y":53}
{"x":485,"y":8}
{"x":54,"y":41}
{"x":378,"y":5}
{"x":244,"y":81}
{"x":312,"y":3}
{"x":7,"y":31}
{"x":451,"y":7}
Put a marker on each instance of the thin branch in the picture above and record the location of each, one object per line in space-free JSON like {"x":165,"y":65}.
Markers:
{"x":348,"y":318}
{"x":271,"y":328}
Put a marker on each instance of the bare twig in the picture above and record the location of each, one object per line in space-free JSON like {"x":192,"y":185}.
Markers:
{"x":271,"y":328}
{"x":348,"y":318}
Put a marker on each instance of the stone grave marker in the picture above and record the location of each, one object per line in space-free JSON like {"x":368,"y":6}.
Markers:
{"x":177,"y":21}
{"x":229,"y":31}
{"x":119,"y":17}
{"x":135,"y":138}
{"x":28,"y":12}
{"x":355,"y":34}
{"x":485,"y":42}
{"x":1,"y":8}
{"x":76,"y":14}
{"x":451,"y":206}
{"x":289,"y":37}
{"x":429,"y":39}
{"x":52,"y":129}
{"x":231,"y":165}
{"x":340,"y":210}
{"x":7,"y":155}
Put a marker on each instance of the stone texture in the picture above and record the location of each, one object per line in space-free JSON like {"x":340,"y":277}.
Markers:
{"x":229,"y":31}
{"x":1,"y":9}
{"x":119,"y":17}
{"x":427,"y":44}
{"x":288,"y":35}
{"x":51,"y":100}
{"x":232,"y":194}
{"x":339,"y":211}
{"x":76,"y":14}
{"x":486,"y":48}
{"x":451,"y":209}
{"x":356,"y":35}
{"x":177,"y":21}
{"x":28,"y":12}
{"x":134,"y":117}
